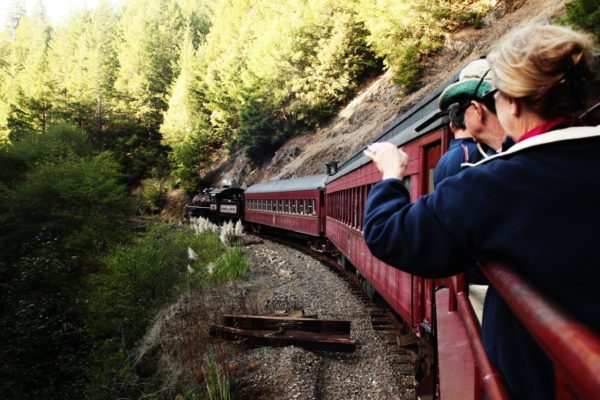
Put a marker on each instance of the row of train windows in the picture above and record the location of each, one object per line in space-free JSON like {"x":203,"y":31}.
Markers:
{"x":287,"y":206}
{"x":348,"y":206}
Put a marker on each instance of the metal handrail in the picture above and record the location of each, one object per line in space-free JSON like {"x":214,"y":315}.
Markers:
{"x":572,"y":346}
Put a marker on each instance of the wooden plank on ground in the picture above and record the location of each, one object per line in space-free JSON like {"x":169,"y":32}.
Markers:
{"x":306,"y":340}
{"x":258,"y":322}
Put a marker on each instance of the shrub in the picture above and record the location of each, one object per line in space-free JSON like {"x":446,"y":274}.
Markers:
{"x":584,"y":14}
{"x":231,"y":265}
{"x":59,"y":142}
{"x":406,"y":33}
{"x":76,"y":201}
{"x":232,"y":234}
{"x":141,"y":277}
{"x":41,"y":324}
{"x":152,"y":196}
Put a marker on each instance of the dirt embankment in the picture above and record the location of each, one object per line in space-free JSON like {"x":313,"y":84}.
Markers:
{"x":380,"y":102}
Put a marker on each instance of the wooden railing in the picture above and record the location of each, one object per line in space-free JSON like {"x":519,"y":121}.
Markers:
{"x":573,"y":347}
{"x":490,"y":379}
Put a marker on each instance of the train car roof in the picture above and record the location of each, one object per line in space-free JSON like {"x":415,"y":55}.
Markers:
{"x":222,"y":191}
{"x":423,"y":117}
{"x":312,"y":182}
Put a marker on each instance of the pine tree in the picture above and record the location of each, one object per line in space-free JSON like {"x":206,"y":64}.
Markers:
{"x":148,"y":52}
{"x":27,"y":86}
{"x":180,"y":119}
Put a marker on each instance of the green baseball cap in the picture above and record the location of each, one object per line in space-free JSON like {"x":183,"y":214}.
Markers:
{"x":470,"y":89}
{"x":474,"y":82}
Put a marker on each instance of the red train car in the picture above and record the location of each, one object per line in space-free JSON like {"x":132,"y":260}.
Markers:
{"x":295,"y":204}
{"x":423,"y":133}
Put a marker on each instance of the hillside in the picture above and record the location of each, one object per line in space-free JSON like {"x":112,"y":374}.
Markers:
{"x":380,"y":102}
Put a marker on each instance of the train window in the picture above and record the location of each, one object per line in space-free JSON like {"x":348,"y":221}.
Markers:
{"x":347,"y":206}
{"x":314,"y":208}
{"x":309,"y":209}
{"x":286,"y":206}
{"x":343,"y":206}
{"x":354,"y":207}
{"x":361,"y":206}
{"x":301,"y":205}
{"x":293,"y":206}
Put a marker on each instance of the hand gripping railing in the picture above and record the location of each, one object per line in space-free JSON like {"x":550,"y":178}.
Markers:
{"x":573,"y":347}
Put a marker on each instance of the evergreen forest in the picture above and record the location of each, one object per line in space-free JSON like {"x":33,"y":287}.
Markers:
{"x":154,"y":92}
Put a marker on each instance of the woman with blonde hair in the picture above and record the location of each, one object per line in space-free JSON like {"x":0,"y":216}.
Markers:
{"x":534,"y":206}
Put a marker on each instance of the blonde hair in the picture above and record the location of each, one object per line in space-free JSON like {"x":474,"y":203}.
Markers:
{"x":546,"y":65}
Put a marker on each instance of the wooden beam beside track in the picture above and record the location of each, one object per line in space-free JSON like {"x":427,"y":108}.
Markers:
{"x":309,"y":333}
{"x":258,"y":322}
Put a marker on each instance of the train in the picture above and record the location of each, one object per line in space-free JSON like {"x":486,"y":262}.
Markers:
{"x":327,"y":210}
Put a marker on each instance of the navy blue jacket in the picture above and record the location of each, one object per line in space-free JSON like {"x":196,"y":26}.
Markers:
{"x":536,"y":206}
{"x":462,"y":150}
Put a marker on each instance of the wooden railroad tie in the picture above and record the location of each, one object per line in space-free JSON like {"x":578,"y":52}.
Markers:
{"x":309,"y":333}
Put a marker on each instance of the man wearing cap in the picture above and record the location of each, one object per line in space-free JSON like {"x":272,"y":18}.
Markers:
{"x":477,"y":135}
{"x":474,"y":95}
{"x":462,"y":148}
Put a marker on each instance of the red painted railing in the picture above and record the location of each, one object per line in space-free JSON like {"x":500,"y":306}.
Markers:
{"x":574,"y":348}
{"x":490,"y":379}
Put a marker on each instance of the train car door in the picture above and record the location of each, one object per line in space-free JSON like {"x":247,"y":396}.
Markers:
{"x":423,"y":299}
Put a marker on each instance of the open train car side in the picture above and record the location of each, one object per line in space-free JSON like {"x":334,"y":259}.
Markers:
{"x":295,"y":204}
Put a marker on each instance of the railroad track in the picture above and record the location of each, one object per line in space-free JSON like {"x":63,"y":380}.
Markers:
{"x":404,"y":347}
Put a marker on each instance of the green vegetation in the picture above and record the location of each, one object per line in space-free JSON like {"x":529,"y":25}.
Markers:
{"x":152,"y":196}
{"x":79,"y":288}
{"x":169,"y":85}
{"x":584,"y":14}
{"x":217,"y":383}
{"x":139,"y":278}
